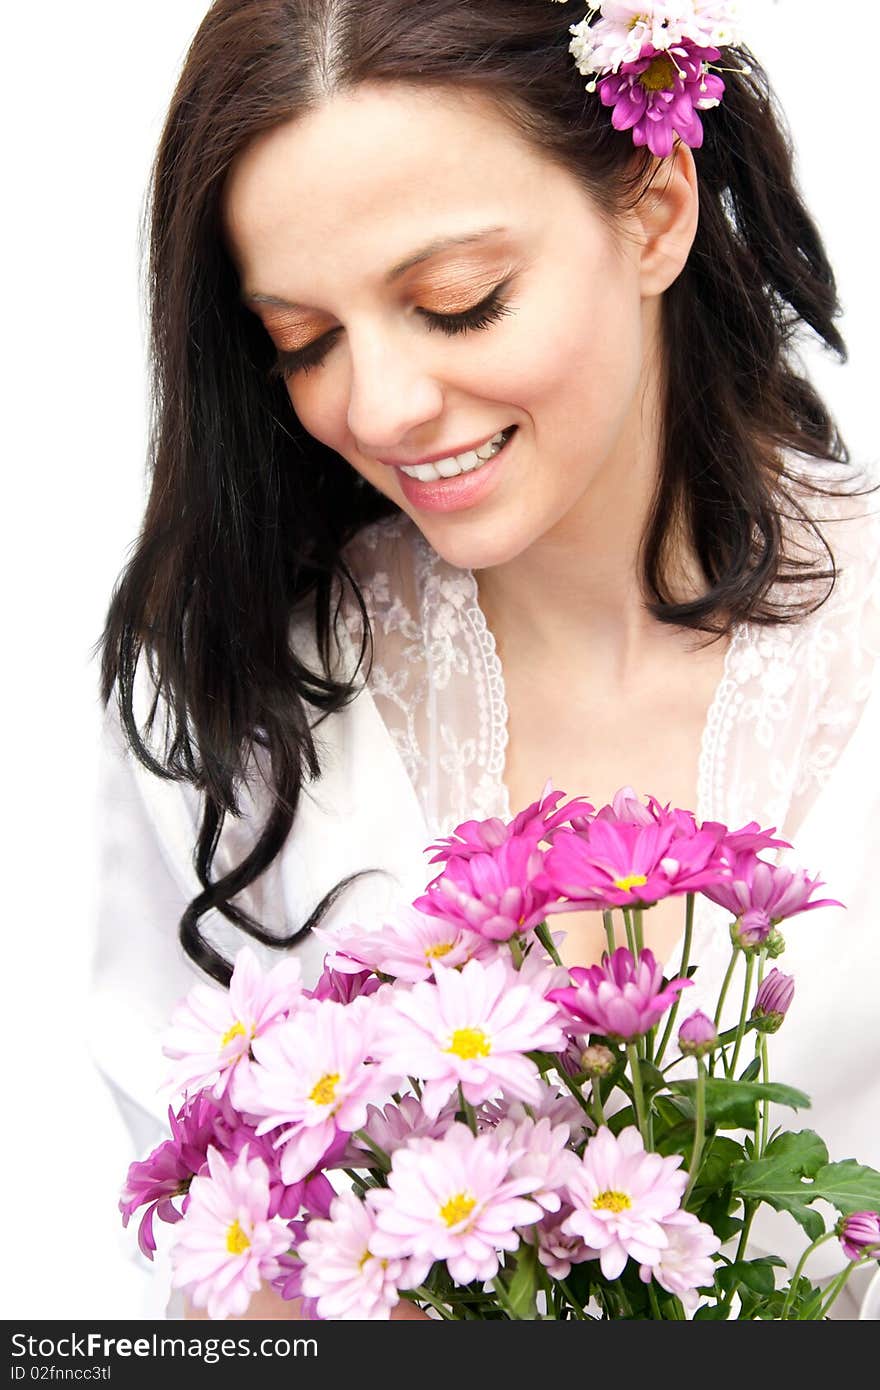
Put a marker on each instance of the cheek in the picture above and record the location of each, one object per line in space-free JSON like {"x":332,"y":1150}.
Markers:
{"x":318,"y":407}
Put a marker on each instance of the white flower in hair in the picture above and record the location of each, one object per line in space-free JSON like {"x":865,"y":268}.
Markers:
{"x":619,"y":35}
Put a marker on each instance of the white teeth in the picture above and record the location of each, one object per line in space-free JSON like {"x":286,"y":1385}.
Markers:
{"x":461,"y":463}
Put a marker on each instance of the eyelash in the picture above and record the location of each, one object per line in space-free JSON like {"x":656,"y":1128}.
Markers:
{"x":481,"y":315}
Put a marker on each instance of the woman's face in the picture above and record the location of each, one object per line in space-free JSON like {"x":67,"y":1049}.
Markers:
{"x":432,"y":283}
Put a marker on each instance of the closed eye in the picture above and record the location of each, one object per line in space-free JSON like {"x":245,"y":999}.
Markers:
{"x":481,"y":315}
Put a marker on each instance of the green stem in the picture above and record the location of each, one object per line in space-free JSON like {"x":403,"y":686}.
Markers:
{"x":838,"y":1284}
{"x":685,"y":962}
{"x":765,"y":1104}
{"x":576,"y":1307}
{"x":542,"y":932}
{"x":799,"y":1269}
{"x":630,"y":933}
{"x":503,"y":1299}
{"x":575,"y":1091}
{"x":374,"y":1148}
{"x":422,"y":1292}
{"x":699,"y":1129}
{"x":655,"y":1306}
{"x":743,"y":1014}
{"x":468,"y":1109}
{"x":638,"y":1092}
{"x":608,"y":921}
{"x":516,"y":951}
{"x":638,"y":932}
{"x":734,"y":957}
{"x":596,"y":1095}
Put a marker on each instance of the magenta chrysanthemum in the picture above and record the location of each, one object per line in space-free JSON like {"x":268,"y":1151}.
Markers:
{"x":860,"y":1234}
{"x":621,"y":1197}
{"x":498,"y":895}
{"x":658,"y":96}
{"x":228,"y":1244}
{"x":760,"y":896}
{"x":537,"y":822}
{"x":452,"y":1199}
{"x":621,"y":998}
{"x":623,"y":864}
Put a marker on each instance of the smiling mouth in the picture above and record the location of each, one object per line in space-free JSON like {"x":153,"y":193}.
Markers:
{"x":457,"y":464}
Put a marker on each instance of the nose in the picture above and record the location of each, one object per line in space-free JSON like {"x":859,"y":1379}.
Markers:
{"x":392,"y":392}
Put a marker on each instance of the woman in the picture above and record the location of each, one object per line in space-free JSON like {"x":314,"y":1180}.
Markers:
{"x":480,"y":457}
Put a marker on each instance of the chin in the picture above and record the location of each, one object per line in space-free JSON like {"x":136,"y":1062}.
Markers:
{"x":474,"y":543}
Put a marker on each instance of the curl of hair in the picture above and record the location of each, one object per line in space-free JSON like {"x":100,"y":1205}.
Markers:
{"x":248,"y":515}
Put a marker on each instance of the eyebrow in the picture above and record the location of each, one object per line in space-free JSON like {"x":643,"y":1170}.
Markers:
{"x":433,"y":248}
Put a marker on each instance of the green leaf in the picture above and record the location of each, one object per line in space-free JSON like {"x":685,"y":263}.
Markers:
{"x":756,"y":1275}
{"x":752,"y":1070}
{"x":715,"y":1312}
{"x":524,"y":1284}
{"x":731,"y":1104}
{"x":781,"y":1177}
{"x":848,"y":1186}
{"x":714,"y":1174}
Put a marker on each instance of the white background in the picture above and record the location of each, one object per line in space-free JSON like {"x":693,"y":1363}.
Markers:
{"x":86,"y":87}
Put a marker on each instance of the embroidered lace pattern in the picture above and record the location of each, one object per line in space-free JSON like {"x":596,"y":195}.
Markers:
{"x":787,"y":702}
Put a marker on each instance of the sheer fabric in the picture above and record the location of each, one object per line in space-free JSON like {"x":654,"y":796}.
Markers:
{"x":792,"y":739}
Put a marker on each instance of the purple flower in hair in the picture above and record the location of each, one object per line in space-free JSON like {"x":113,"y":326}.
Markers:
{"x":658,"y":96}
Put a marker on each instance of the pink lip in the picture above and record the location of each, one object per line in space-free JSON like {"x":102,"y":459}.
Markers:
{"x":455,"y":494}
{"x":433,"y":458}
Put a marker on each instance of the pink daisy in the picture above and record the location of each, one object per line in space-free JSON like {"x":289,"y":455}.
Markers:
{"x":499,"y":894}
{"x":472,"y":1027}
{"x":452,"y":1199}
{"x":212,"y":1029}
{"x":228,"y":1244}
{"x":685,"y":1263}
{"x":407,"y":949}
{"x":621,"y":1197}
{"x":341,"y":1273}
{"x":313,"y":1081}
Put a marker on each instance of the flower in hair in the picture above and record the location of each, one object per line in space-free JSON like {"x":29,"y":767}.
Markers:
{"x":649,"y":61}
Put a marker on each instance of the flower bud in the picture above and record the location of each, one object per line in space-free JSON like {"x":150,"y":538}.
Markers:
{"x":750,"y":931}
{"x":860,"y":1234}
{"x":772,"y":1002}
{"x":598,"y":1061}
{"x":697,"y":1035}
{"x":775,"y":944}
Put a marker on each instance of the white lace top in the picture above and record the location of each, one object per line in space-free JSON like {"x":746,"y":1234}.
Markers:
{"x":792,"y":739}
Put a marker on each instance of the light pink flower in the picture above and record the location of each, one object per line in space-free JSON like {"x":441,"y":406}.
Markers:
{"x":685,"y":1263}
{"x":472,"y":1027}
{"x":395,"y":1125}
{"x":558,"y":1109}
{"x":558,"y":1248}
{"x":622,"y":1196}
{"x":544,"y":1159}
{"x":313,"y":1081}
{"x":341,"y":1273}
{"x":227,"y":1244}
{"x":452,"y":1199}
{"x":407,"y":949}
{"x":761,"y":895}
{"x":859,"y":1234}
{"x":621,"y":998}
{"x":212,"y":1029}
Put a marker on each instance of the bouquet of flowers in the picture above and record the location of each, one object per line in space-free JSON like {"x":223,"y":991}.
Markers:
{"x":453,"y":1117}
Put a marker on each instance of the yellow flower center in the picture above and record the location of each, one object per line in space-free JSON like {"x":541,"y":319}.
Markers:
{"x":457,"y":1208}
{"x":237,"y":1030}
{"x":626,"y":885}
{"x":660,"y":74}
{"x":468,"y":1043}
{"x":324,"y":1093}
{"x":236,"y":1240}
{"x":441,"y":949}
{"x":611,"y":1201}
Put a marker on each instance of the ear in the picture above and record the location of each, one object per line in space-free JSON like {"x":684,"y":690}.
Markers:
{"x":667,"y":215}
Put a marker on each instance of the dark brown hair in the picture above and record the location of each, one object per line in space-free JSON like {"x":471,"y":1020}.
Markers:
{"x":238,"y":532}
